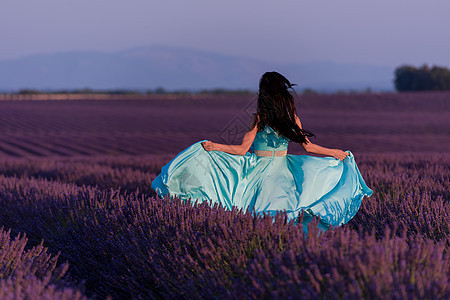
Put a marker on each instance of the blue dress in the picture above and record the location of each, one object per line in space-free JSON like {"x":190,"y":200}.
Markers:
{"x":322,"y":186}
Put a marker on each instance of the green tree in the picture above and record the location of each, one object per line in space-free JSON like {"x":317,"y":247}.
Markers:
{"x":441,"y":78}
{"x":409,"y":78}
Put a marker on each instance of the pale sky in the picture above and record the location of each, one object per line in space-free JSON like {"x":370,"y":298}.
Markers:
{"x":380,"y":32}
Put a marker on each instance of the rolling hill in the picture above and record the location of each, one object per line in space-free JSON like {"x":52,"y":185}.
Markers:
{"x":177,"y":69}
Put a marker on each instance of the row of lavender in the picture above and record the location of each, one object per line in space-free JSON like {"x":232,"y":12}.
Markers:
{"x":121,"y":240}
{"x":397,"y":122}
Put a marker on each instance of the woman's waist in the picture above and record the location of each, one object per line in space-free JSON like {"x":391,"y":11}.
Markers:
{"x":270,"y":152}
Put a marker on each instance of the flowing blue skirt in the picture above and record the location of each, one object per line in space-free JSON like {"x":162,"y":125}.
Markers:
{"x":323,"y":186}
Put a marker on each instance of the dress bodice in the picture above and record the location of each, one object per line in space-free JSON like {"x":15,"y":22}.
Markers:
{"x":269,"y":140}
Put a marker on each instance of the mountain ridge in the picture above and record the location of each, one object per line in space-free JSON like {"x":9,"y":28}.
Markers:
{"x":174,"y":68}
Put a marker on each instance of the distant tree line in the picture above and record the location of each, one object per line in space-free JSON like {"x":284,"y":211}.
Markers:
{"x":157,"y":91}
{"x":409,"y":78}
{"x":76,"y":91}
{"x":311,"y":91}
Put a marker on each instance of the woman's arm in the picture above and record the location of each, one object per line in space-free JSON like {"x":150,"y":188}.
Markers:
{"x":316,"y":149}
{"x":236,"y":149}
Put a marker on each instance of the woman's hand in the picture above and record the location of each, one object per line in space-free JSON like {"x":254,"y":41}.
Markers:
{"x":339,"y":154}
{"x":208,"y":145}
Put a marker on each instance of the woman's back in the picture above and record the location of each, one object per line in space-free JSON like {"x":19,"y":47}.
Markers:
{"x":269,"y":140}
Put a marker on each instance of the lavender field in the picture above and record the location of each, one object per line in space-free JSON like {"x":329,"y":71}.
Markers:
{"x":80,"y":219}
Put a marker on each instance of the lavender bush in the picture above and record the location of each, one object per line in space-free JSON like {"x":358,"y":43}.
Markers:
{"x":32,"y":273}
{"x":411,"y":190}
{"x":124,"y":172}
{"x":130,"y":244}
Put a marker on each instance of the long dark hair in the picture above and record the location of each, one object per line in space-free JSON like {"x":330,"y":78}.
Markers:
{"x":276,"y":107}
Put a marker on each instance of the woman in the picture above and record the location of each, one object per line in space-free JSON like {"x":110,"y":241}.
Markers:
{"x":269,"y":180}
